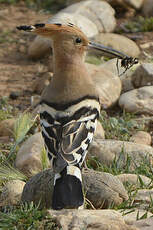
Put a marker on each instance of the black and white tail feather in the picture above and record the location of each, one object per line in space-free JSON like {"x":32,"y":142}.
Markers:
{"x":68,"y":130}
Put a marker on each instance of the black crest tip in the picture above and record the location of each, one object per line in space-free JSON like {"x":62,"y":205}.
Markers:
{"x":25,"y":28}
{"x":39,"y":25}
{"x":58,"y":24}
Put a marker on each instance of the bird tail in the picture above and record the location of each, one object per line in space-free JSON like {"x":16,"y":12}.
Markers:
{"x":68,"y":189}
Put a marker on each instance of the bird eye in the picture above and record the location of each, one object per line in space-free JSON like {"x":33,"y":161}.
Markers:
{"x":78,"y":40}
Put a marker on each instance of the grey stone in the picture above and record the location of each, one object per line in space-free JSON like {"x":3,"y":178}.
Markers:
{"x":102,"y":189}
{"x":134,"y":179}
{"x":138,"y":100}
{"x":99,"y":132}
{"x":90,"y":220}
{"x":108,"y":150}
{"x":147,"y":8}
{"x":105,"y":82}
{"x":137,"y":4}
{"x":141,"y":137}
{"x":132,"y":216}
{"x":7,"y":127}
{"x":28,"y":159}
{"x":145,"y":195}
{"x":99,"y":12}
{"x":11,"y":193}
{"x":143,"y":76}
{"x":146,"y":224}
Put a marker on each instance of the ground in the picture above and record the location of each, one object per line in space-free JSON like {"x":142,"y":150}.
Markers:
{"x":17,"y":71}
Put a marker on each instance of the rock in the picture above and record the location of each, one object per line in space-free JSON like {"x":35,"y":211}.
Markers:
{"x":14,"y":95}
{"x":111,"y":65}
{"x":138,"y":100}
{"x":102,"y":189}
{"x":105,"y":82}
{"x":136,"y":4}
{"x":22,"y":49}
{"x":7,"y":127}
{"x":134,"y":179}
{"x":143,"y":76}
{"x":101,"y":13}
{"x":66,"y":16}
{"x":39,"y":47}
{"x":39,"y":189}
{"x":40,"y":83}
{"x":145,"y":195}
{"x":99,"y":132}
{"x":91,"y":18}
{"x":147,"y":8}
{"x":28,"y":159}
{"x":11,"y":193}
{"x":130,"y":217}
{"x":126,"y":80}
{"x":118,"y":42}
{"x":90,"y":219}
{"x":145,"y":224}
{"x":141,"y":137}
{"x":146,"y":45}
{"x":35,"y":100}
{"x":108,"y":150}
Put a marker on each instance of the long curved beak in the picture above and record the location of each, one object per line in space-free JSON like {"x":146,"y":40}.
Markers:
{"x":107,"y":50}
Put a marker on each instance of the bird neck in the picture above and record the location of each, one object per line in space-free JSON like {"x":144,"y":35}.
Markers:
{"x":71,"y":79}
{"x":67,"y":64}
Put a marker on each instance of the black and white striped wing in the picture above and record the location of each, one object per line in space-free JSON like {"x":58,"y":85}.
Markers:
{"x":67,"y":133}
{"x":76,"y":137}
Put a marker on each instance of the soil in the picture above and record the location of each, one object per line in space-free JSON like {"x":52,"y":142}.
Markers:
{"x":17,"y":72}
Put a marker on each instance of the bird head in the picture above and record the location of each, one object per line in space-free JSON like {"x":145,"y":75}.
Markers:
{"x":68,"y":37}
{"x":70,"y":40}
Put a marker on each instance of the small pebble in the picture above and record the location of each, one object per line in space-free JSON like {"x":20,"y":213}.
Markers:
{"x":14,"y":95}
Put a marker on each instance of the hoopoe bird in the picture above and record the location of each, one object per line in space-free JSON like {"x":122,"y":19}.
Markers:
{"x":69,"y":110}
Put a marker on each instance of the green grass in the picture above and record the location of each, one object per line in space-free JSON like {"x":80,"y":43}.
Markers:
{"x":120,"y":127}
{"x":8,"y":172}
{"x":140,"y":24}
{"x":9,"y":1}
{"x":26,"y":217}
{"x":44,"y":159}
{"x":22,"y":126}
{"x":6,"y":110}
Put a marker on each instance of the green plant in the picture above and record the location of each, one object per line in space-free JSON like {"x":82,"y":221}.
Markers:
{"x":140,"y":24}
{"x":7,"y":172}
{"x":6,"y":111}
{"x":22,"y":126}
{"x":44,"y":159}
{"x":119,"y":127}
{"x":9,"y":1}
{"x":26,"y":217}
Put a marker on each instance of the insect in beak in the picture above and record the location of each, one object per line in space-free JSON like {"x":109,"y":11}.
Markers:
{"x":126,"y":61}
